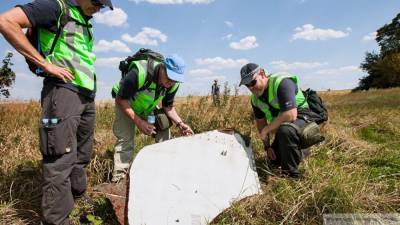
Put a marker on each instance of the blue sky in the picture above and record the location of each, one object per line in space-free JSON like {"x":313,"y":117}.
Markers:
{"x":321,"y":41}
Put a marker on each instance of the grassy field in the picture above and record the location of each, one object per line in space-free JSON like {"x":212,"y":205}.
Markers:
{"x":357,"y":168}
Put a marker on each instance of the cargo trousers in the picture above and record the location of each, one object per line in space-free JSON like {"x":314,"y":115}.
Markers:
{"x":287,"y":148}
{"x":66,"y":141}
{"x":124,"y":150}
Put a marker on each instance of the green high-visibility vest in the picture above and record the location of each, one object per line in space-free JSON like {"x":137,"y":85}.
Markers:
{"x":74,"y":48}
{"x":144,"y":102}
{"x":273,"y":84}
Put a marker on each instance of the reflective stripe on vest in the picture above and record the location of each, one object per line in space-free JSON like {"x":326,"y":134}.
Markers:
{"x":144,"y":103}
{"x":74,"y":48}
{"x":273,"y":85}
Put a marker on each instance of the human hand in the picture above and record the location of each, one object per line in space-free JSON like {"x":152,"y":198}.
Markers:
{"x":264,"y":134}
{"x":145,"y":127}
{"x":270,"y":153}
{"x":185,"y":129}
{"x":59,"y":72}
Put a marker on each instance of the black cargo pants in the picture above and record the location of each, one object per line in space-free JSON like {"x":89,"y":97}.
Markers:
{"x":287,"y":148}
{"x":66,"y":140}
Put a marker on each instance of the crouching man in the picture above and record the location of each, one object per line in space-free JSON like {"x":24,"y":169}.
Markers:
{"x":278,"y":103}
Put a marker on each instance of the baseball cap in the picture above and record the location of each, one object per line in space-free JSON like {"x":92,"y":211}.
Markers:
{"x":247,"y":72}
{"x":175,"y":67}
{"x":107,"y":3}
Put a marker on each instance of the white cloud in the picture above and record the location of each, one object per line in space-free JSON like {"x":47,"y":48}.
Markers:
{"x":310,"y":33}
{"x":221,"y":63}
{"x":369,"y":37}
{"x":204,"y":76}
{"x":228,"y":23}
{"x":112,"y":18}
{"x":115,"y":45}
{"x":174,"y":1}
{"x":201,"y":72}
{"x":246,"y":43}
{"x":285,"y":66}
{"x":209,"y":79}
{"x":227,"y":37}
{"x":340,"y":70}
{"x":111,"y":62}
{"x":148,"y":36}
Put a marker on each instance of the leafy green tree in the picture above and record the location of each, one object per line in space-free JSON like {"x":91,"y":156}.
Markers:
{"x":389,"y":70}
{"x":388,"y":37}
{"x":369,"y":65}
{"x":383,"y":67}
{"x":7,"y":76}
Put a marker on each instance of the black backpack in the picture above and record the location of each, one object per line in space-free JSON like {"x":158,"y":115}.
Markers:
{"x":33,"y":36}
{"x":143,"y":54}
{"x":319,"y":113}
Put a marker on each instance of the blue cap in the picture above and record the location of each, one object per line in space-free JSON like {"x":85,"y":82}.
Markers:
{"x":175,"y":67}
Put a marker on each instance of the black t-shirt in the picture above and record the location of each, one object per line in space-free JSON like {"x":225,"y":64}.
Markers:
{"x":128,"y":88}
{"x":43,"y":13}
{"x":287,"y":91}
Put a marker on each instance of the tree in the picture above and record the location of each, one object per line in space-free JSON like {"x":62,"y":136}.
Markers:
{"x":7,"y":76}
{"x":383,"y":67}
{"x":388,"y":37}
{"x":369,"y":66}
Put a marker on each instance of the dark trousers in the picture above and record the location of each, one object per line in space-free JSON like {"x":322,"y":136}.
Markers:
{"x":66,"y":148}
{"x":287,"y":149}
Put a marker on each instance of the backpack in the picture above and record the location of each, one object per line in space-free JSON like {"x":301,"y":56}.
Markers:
{"x":319,"y":112}
{"x":143,"y":54}
{"x":33,"y":36}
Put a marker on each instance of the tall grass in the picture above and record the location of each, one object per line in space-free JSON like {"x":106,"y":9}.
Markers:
{"x":357,"y":169}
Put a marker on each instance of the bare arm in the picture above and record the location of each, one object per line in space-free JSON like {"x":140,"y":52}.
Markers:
{"x":11,"y":24}
{"x":173,"y":115}
{"x":142,"y":125}
{"x":261,"y":124}
{"x":287,"y":116}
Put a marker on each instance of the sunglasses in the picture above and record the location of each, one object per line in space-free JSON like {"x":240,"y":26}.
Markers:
{"x":252,"y":83}
{"x":97,"y":3}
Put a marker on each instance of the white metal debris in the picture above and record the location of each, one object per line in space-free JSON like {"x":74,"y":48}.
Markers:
{"x":190,"y":180}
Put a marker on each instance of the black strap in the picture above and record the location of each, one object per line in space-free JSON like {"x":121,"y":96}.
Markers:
{"x":305,"y":97}
{"x":150,"y":75}
{"x":64,"y":18}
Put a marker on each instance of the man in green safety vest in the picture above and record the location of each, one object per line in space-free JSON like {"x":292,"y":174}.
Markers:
{"x":136,"y":98}
{"x":63,"y":55}
{"x":277,"y":101}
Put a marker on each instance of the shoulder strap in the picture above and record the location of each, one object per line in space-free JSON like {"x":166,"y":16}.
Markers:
{"x":305,"y":93}
{"x":62,"y":21}
{"x":147,"y":82}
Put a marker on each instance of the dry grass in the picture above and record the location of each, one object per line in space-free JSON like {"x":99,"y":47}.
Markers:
{"x":357,"y":169}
